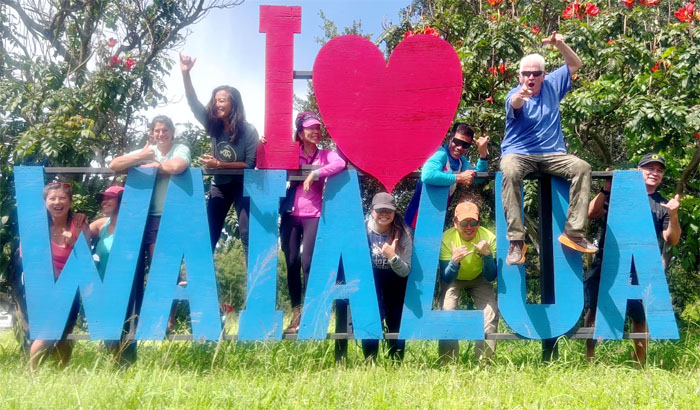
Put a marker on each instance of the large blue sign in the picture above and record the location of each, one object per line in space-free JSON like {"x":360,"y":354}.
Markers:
{"x":183,"y":240}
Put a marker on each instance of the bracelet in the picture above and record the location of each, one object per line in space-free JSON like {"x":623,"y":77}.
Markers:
{"x":484,"y":158}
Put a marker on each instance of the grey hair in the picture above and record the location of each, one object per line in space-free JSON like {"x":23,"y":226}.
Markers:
{"x":532,"y":58}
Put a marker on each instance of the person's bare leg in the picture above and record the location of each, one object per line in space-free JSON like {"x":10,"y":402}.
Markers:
{"x":589,"y":321}
{"x":37,"y":353}
{"x":640,"y":345}
{"x":64,"y":350}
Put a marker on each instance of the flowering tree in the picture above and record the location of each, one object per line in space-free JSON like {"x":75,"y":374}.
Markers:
{"x":636,"y":92}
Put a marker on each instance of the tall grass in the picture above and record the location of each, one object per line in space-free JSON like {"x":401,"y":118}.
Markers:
{"x":304,"y":375}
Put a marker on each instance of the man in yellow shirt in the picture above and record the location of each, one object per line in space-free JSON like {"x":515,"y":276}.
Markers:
{"x":467,"y":262}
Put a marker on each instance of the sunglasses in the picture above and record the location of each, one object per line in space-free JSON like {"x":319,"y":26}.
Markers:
{"x":384,"y":211}
{"x":466,"y":223}
{"x":527,"y":74}
{"x":461,"y":143}
{"x":58,"y":184}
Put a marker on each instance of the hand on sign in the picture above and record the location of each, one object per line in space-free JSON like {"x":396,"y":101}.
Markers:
{"x":308,"y":181}
{"x":209,"y":161}
{"x":466,"y":177}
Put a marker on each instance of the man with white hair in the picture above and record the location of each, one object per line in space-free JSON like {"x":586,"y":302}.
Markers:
{"x":534,"y":143}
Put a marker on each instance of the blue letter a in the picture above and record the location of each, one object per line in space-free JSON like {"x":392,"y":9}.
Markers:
{"x":183,"y":235}
{"x":341,"y":232}
{"x":630,"y":238}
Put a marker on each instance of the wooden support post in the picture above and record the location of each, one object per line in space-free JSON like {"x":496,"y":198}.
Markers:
{"x":549,"y":348}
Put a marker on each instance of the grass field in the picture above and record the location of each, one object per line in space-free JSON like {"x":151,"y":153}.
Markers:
{"x":304,"y":375}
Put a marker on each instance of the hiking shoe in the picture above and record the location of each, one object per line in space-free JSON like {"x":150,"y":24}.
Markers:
{"x":578,"y":244}
{"x":293,"y":327}
{"x":516,"y":253}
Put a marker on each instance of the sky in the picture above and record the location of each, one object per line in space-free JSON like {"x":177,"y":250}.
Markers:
{"x":230,"y":50}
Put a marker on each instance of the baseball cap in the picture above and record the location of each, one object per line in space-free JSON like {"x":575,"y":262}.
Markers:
{"x":652,"y":157}
{"x":467,"y":210}
{"x":383,"y":200}
{"x":111,"y":192}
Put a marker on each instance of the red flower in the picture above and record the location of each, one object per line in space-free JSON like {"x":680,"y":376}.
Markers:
{"x":697,"y":135}
{"x":656,"y":66}
{"x":494,"y":71}
{"x":489,"y":100}
{"x":649,"y":2}
{"x":611,"y":41}
{"x":592,"y":10}
{"x":628,"y":3}
{"x":114,"y":61}
{"x":535,"y":30}
{"x":431,"y":31}
{"x":494,"y":17}
{"x":408,"y":34}
{"x":569,"y":11}
{"x":501,"y":68}
{"x":129,"y":63}
{"x":495,"y":2}
{"x":226,"y":308}
{"x":112,"y":42}
{"x":685,"y":13}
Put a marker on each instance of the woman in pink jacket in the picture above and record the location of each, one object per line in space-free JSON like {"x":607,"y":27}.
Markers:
{"x":299,"y":224}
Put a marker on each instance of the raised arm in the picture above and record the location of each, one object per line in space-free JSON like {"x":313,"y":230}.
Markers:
{"x":186,"y":64}
{"x":672,"y":234}
{"x":570,"y":57}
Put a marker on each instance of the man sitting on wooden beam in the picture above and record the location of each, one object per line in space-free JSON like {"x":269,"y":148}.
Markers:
{"x":534,"y":143}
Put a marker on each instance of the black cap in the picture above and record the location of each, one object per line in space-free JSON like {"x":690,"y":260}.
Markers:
{"x":651,"y":157}
{"x":383,"y":200}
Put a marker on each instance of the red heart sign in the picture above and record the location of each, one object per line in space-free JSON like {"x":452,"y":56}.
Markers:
{"x":387,"y":119}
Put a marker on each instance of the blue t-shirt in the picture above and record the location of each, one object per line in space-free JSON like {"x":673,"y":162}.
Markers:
{"x":536,"y":127}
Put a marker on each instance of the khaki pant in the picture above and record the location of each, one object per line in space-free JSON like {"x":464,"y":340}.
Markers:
{"x":515,"y":167}
{"x":481,"y":291}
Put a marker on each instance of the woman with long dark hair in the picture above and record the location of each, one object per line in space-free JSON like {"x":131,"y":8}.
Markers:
{"x":391,"y":249}
{"x":64,"y":228}
{"x":234,"y":142}
{"x":300,"y":223}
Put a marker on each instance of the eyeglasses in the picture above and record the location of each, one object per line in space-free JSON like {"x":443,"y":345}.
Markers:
{"x":384,"y":211}
{"x":461,"y":143}
{"x":466,"y":223}
{"x":527,"y":74}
